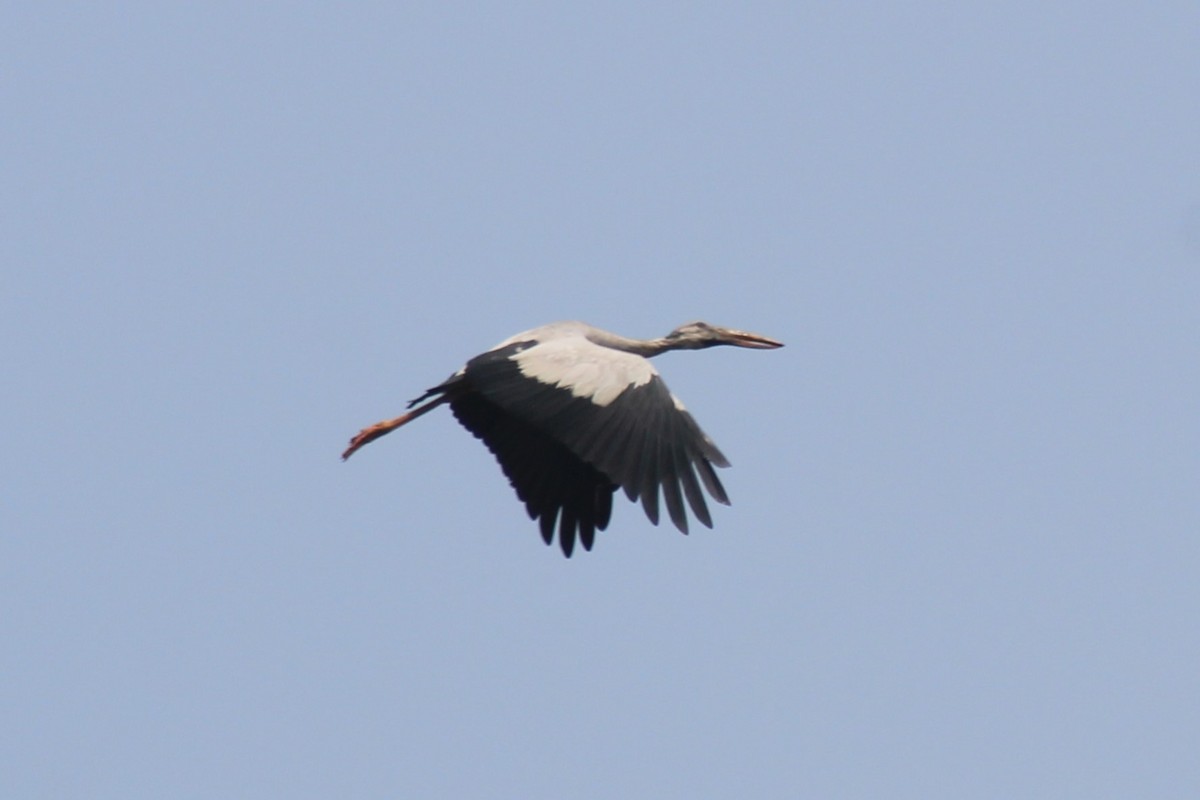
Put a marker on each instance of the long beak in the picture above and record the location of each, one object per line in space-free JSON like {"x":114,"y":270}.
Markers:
{"x":744,"y":339}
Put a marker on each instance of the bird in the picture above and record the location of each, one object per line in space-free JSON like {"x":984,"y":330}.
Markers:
{"x":572,"y":412}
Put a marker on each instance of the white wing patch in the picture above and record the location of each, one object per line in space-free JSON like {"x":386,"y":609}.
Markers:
{"x":587,"y":370}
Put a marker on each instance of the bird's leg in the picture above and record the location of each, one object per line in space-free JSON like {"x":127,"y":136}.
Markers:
{"x":374,"y":432}
{"x":370,"y":434}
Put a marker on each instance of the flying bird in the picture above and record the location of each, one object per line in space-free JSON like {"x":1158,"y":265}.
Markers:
{"x":572,"y":412}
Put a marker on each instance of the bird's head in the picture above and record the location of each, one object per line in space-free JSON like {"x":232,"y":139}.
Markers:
{"x":697,"y":335}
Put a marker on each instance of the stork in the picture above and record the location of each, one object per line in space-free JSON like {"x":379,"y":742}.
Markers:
{"x":572,"y":412}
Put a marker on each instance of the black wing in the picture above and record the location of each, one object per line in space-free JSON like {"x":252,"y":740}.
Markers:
{"x":565,"y":455}
{"x":554,"y":484}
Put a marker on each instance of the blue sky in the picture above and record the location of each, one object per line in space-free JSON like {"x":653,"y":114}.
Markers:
{"x":961,"y":558}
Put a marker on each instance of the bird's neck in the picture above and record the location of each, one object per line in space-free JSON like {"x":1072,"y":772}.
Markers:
{"x":651,"y":347}
{"x":647,"y":348}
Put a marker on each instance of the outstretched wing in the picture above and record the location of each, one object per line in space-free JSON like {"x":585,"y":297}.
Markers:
{"x":555,"y":484}
{"x":569,"y":421}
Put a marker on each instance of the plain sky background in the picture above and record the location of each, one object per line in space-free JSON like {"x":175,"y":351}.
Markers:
{"x":962,"y":556}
